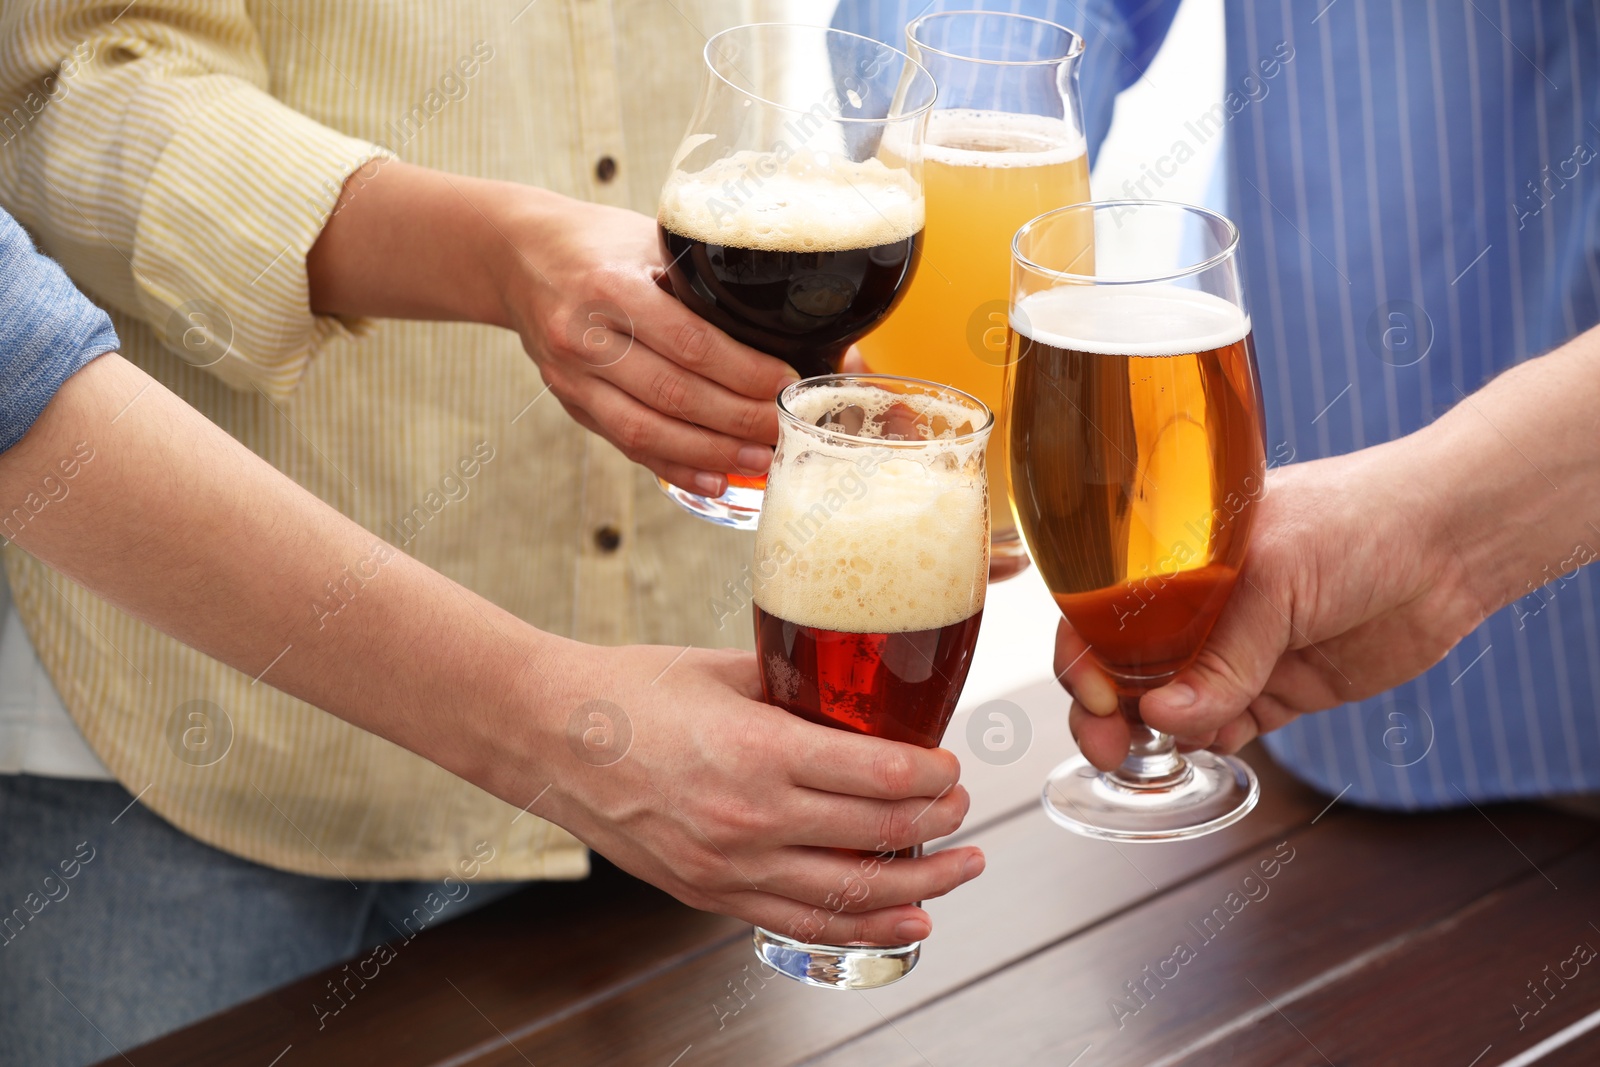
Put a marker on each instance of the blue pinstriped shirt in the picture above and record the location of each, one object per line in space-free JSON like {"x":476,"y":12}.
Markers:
{"x":1418,"y":188}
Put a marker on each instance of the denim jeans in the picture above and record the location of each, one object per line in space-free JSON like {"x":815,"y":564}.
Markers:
{"x":115,"y":927}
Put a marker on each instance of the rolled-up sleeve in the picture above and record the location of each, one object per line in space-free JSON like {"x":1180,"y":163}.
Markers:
{"x":146,"y":154}
{"x":48,"y":331}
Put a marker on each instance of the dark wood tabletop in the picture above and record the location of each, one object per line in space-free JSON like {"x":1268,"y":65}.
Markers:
{"x":1311,"y":933}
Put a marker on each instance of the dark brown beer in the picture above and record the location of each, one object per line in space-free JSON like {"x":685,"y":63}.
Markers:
{"x":901,"y":686}
{"x":805,"y":307}
{"x":794,"y":254}
{"x":1136,"y":463}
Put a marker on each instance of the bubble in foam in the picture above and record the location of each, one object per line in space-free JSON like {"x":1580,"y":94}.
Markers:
{"x":870,"y":539}
{"x":804,"y":203}
{"x":878,"y":414}
{"x":1130,"y":320}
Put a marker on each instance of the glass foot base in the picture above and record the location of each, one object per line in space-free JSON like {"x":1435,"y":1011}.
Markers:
{"x":836,"y":966}
{"x":738,"y":508}
{"x":1216,"y":791}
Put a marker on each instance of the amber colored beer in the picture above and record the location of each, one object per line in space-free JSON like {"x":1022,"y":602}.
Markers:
{"x":984,"y":174}
{"x":1136,"y":462}
{"x":872,"y":562}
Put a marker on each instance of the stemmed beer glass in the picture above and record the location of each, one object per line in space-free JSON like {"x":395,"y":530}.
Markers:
{"x":781,"y":222}
{"x":1137,"y":458}
{"x":872,"y":561}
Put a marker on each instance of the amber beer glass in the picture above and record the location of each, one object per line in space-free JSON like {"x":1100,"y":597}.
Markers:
{"x":780,"y":223}
{"x":1137,"y":458}
{"x":872,"y":559}
{"x":1004,"y":143}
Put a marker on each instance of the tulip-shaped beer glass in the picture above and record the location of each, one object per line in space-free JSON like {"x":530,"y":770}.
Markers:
{"x":781,"y":223}
{"x":872,"y":559}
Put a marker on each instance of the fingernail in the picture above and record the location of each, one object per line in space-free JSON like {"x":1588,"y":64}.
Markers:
{"x":754,"y":458}
{"x":1176,"y":695}
{"x":912,"y":930}
{"x":1096,"y":695}
{"x":709,"y":484}
{"x":973,"y":867}
{"x":790,"y":377}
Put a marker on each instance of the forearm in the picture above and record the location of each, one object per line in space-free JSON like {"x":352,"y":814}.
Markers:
{"x":1513,"y":472}
{"x":178,"y":524}
{"x":408,"y":242}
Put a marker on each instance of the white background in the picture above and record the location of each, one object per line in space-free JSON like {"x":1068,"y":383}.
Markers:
{"x":1017,"y":640}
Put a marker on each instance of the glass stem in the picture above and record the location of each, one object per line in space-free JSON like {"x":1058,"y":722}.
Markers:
{"x":1153,"y":760}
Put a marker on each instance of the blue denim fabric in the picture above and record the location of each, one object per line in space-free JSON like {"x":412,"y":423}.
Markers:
{"x":48,"y":331}
{"x":116,"y":928}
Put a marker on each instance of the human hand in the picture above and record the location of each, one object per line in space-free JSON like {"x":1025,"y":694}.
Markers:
{"x":737,"y":807}
{"x":1350,"y":588}
{"x":625,"y":358}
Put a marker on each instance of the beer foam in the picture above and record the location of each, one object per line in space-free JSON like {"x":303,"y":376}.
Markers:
{"x":873,"y":538}
{"x":863,"y":411}
{"x":810,"y":202}
{"x":962,"y":137}
{"x":1130,"y":320}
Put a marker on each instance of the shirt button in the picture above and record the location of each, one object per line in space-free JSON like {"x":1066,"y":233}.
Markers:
{"x":605,"y":169}
{"x":608,"y":539}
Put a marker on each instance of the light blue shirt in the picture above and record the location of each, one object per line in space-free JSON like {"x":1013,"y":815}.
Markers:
{"x":1417,"y":183}
{"x":48,"y":330}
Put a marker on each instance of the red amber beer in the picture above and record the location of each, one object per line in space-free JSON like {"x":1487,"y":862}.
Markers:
{"x":872,"y":560}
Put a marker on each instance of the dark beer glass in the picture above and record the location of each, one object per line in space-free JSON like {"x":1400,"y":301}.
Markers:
{"x":1137,"y":459}
{"x":781,"y":223}
{"x":872,"y":560}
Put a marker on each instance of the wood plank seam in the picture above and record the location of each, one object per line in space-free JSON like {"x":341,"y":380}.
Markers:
{"x":530,"y":1027}
{"x":1133,"y":905}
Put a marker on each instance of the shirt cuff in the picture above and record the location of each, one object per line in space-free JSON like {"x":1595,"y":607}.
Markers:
{"x":229,"y":214}
{"x":48,"y":332}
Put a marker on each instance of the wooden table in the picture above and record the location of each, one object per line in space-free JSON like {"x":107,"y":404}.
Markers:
{"x":1312,"y":934}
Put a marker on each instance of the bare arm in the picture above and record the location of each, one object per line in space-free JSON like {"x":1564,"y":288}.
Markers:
{"x":1366,"y":569}
{"x":230,"y":556}
{"x":577,"y":282}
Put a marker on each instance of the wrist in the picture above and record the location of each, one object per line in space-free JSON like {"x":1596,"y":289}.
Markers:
{"x":409,"y":242}
{"x":517,"y":747}
{"x":1485,"y":507}
{"x":533,"y":224}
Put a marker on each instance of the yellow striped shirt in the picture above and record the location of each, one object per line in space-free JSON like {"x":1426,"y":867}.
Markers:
{"x":179,"y":159}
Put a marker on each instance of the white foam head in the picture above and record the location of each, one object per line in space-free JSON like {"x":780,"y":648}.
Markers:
{"x":963,"y":137}
{"x":1130,"y":320}
{"x":807,"y":202}
{"x":862,"y":538}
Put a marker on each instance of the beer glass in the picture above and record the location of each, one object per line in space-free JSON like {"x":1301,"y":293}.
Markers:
{"x":1004,"y":143}
{"x":781,"y":223}
{"x":872,"y":559}
{"x":1137,"y":458}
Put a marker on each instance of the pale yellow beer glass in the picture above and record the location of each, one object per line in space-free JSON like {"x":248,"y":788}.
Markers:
{"x":1004,"y":144}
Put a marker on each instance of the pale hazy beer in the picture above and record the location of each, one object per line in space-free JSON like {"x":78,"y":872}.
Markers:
{"x":985,"y":173}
